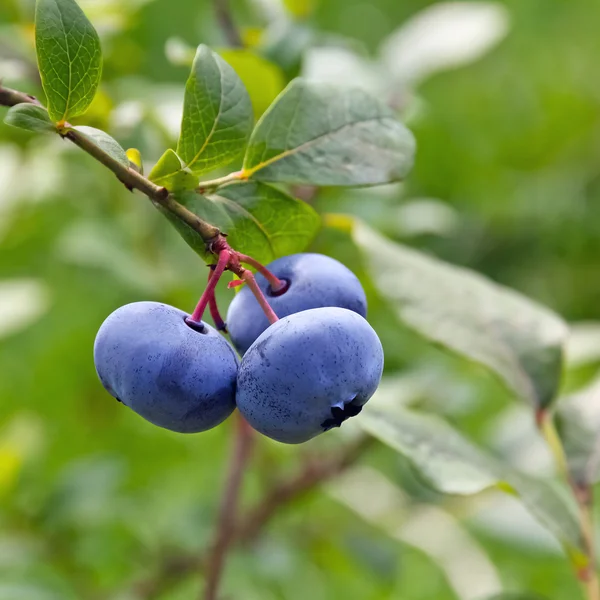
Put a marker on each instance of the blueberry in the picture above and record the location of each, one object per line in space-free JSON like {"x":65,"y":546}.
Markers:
{"x":176,"y":375}
{"x":308,"y":373}
{"x":312,"y":281}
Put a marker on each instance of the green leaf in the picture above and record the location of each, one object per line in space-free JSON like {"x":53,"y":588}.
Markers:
{"x":323,"y":135}
{"x":69,"y":57}
{"x":104,"y":141}
{"x":453,"y":465}
{"x":583,"y":345}
{"x":447,"y":461}
{"x":30,"y":117}
{"x":217,"y":114}
{"x":263,"y":79}
{"x":517,"y":339}
{"x":578,"y":420}
{"x":135,"y":159}
{"x":259,"y":220}
{"x":170,"y":173}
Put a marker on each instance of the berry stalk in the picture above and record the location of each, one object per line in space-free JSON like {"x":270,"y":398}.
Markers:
{"x":248,"y":277}
{"x":275,"y":283}
{"x":212,"y":306}
{"x":224,"y":256}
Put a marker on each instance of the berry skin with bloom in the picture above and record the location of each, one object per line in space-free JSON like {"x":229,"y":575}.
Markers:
{"x":176,"y":375}
{"x":311,"y":281}
{"x":309,"y":372}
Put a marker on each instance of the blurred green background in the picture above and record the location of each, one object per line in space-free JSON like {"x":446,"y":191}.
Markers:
{"x":504,"y":100}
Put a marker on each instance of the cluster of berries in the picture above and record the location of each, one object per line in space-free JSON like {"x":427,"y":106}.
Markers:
{"x":300,"y":376}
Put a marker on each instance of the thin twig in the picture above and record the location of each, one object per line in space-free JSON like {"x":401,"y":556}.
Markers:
{"x":225,"y":533}
{"x":129,"y":177}
{"x":313,"y":473}
{"x":9,"y":97}
{"x":588,"y":576}
{"x":225,"y":19}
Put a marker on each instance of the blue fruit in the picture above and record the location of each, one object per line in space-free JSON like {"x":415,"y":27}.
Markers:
{"x":313,"y":281}
{"x":308,"y":373}
{"x":176,"y":376}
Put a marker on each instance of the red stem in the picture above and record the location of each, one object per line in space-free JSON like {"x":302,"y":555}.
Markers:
{"x":226,"y":527}
{"x":213,"y":307}
{"x":275,"y":283}
{"x":248,"y":277}
{"x":222,"y":263}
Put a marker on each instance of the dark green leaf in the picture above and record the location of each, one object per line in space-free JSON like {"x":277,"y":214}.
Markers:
{"x":104,"y":141}
{"x":69,"y":57}
{"x":30,"y":117}
{"x":453,"y":465}
{"x":579,"y":427}
{"x":323,"y":135}
{"x":260,"y":220}
{"x":217,"y":114}
{"x":514,"y":337}
{"x":170,"y":173}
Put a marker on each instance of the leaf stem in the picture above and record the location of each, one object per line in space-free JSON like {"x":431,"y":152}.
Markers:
{"x":274,"y":281}
{"x":248,"y":277}
{"x":547,"y":428}
{"x":225,"y":533}
{"x":212,"y":184}
{"x":583,"y":497}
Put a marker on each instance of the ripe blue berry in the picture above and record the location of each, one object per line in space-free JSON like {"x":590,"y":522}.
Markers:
{"x":308,"y":373}
{"x":312,"y":281}
{"x":178,"y":376}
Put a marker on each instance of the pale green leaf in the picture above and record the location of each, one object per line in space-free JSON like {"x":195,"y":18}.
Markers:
{"x":325,"y":135}
{"x":517,"y":339}
{"x":259,"y":220}
{"x":105,"y":142}
{"x":69,"y":57}
{"x":583,"y":345}
{"x":444,"y":458}
{"x":169,"y":172}
{"x":30,"y":117}
{"x":453,"y":465}
{"x":217,"y":114}
{"x":578,"y":417}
